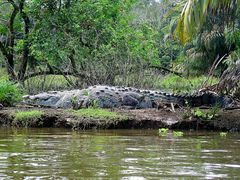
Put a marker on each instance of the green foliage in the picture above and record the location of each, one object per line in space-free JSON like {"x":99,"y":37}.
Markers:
{"x":223,"y":134}
{"x":25,"y":118}
{"x":178,"y":84}
{"x":3,"y":75}
{"x":114,"y":42}
{"x":202,"y":115}
{"x":94,"y":104}
{"x":48,"y":83}
{"x":85,"y":93}
{"x":199,"y":114}
{"x":9,"y":93}
{"x":212,"y":28}
{"x":100,"y":35}
{"x":178,"y":133}
{"x":27,"y":115}
{"x":74,"y":101}
{"x":163,"y":131}
{"x":195,"y":13}
{"x":98,"y":113}
{"x":206,"y":115}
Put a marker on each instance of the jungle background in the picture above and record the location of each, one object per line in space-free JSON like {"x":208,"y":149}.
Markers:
{"x":172,"y":45}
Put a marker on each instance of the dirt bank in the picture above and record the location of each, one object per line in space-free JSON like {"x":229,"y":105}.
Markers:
{"x":144,"y":118}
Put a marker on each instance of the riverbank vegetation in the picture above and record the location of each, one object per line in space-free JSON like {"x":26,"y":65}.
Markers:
{"x":98,"y":113}
{"x":177,"y":46}
{"x":115,"y":119}
{"x":25,"y":118}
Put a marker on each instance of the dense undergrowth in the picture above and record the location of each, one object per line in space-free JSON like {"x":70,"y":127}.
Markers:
{"x":170,"y":83}
{"x":9,"y":93}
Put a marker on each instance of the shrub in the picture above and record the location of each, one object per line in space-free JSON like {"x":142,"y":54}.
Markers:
{"x":9,"y":93}
{"x":207,"y":114}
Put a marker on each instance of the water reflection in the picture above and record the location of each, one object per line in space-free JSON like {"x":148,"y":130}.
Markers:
{"x":63,"y":154}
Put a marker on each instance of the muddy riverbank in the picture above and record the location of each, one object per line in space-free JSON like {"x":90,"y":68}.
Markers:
{"x":227,"y":120}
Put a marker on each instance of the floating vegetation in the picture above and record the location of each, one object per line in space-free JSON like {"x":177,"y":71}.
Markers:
{"x":178,"y":133}
{"x":163,"y":131}
{"x":223,"y":134}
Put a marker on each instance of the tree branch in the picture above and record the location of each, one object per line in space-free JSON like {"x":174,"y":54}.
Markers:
{"x":55,"y":72}
{"x":166,"y":69}
{"x":3,"y":49}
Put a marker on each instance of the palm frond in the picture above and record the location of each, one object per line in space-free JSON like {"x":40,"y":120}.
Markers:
{"x":194,"y":14}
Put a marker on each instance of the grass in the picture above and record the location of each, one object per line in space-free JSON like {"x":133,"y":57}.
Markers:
{"x":27,"y":115}
{"x":97,"y":113}
{"x":168,"y":83}
{"x":3,"y":74}
{"x":178,"y":84}
{"x":26,"y":118}
{"x":47,"y":83}
{"x":150,"y":80}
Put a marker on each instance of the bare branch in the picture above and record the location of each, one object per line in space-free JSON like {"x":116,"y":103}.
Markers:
{"x":166,"y":69}
{"x":54,"y":72}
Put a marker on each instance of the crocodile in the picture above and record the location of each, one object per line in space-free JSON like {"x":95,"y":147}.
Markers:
{"x":122,"y":97}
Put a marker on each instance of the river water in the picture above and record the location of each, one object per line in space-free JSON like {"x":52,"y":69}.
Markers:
{"x":117,"y":154}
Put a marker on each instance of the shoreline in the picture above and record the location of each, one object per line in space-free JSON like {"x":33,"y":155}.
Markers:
{"x":227,"y":120}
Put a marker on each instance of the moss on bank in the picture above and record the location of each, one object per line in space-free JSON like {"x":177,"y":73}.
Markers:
{"x":97,"y":113}
{"x":25,"y":118}
{"x":27,"y":115}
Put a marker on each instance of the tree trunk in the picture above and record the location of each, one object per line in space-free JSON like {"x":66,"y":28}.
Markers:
{"x":25,"y":54}
{"x":73,"y":62}
{"x":8,"y":50}
{"x":9,"y":61}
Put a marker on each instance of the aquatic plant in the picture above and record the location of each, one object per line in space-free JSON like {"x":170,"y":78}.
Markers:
{"x":163,"y":131}
{"x":223,"y":134}
{"x":178,"y":133}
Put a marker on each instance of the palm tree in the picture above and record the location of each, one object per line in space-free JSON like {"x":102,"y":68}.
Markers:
{"x":194,"y":15}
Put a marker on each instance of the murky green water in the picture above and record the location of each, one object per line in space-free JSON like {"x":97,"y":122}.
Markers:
{"x":121,"y":154}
